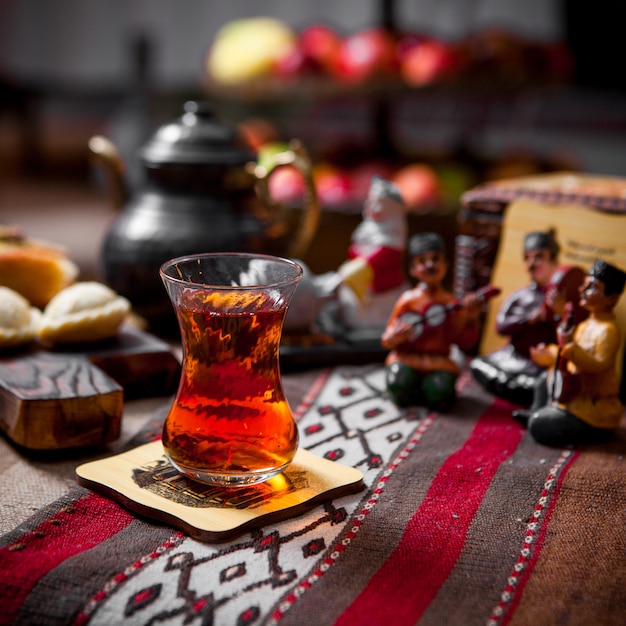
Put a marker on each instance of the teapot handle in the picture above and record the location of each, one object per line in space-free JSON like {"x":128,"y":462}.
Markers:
{"x":106,"y":155}
{"x":296,"y":156}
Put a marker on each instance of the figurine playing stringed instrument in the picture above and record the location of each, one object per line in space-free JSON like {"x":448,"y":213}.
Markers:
{"x":425,"y":323}
{"x":509,"y":372}
{"x":584,"y":404}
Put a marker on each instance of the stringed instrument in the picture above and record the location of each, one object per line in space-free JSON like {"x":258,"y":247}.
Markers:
{"x":565,"y":385}
{"x":564,"y":284}
{"x":436,"y":313}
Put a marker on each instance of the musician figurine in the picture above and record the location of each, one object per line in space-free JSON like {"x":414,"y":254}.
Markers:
{"x":509,"y":372}
{"x":424,"y":324}
{"x":561,"y":304}
{"x":584,"y":404}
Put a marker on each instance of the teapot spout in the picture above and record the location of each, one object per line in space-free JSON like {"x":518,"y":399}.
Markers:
{"x":106,"y":156}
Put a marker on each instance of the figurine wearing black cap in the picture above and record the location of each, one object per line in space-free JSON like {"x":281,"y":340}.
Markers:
{"x":509,"y":372}
{"x":584,"y":405}
{"x":424,"y":324}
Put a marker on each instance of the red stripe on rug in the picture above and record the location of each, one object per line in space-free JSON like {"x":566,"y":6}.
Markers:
{"x":435,"y":535}
{"x":74,"y":529}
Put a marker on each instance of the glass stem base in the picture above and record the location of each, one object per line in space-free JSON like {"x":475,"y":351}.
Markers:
{"x":227,"y":479}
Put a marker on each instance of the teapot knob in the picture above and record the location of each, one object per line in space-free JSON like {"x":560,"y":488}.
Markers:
{"x":199,"y":109}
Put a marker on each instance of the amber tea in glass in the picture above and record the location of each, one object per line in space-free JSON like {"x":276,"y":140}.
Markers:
{"x":230,"y":423}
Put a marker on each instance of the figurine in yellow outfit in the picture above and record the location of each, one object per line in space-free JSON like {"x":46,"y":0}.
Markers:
{"x":584,"y":406}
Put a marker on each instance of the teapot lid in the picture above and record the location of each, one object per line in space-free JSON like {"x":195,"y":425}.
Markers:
{"x":196,"y":138}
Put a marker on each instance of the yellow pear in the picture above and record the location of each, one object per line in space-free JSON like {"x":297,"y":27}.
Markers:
{"x":248,"y":48}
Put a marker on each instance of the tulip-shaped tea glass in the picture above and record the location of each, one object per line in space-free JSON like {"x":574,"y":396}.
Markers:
{"x":230,"y":423}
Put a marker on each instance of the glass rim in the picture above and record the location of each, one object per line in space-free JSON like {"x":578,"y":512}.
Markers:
{"x":250,"y":255}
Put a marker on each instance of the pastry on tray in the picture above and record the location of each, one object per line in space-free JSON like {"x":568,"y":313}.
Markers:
{"x":83,"y":312}
{"x":19,"y":320}
{"x":34,"y":268}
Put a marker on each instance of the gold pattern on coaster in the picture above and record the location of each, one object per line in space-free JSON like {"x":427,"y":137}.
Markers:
{"x":143,"y":480}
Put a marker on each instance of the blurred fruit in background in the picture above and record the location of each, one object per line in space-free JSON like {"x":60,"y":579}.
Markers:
{"x":425,"y":60}
{"x":333,"y":185}
{"x":262,"y":47}
{"x":291,"y":65}
{"x":364,"y":56}
{"x":345,"y":188}
{"x":266,"y":53}
{"x":419,"y":185}
{"x":249,"y":48}
{"x":287,"y":186}
{"x":343,"y":176}
{"x":425,"y":188}
{"x":319,"y":45}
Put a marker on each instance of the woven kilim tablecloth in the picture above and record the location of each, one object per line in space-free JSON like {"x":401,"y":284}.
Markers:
{"x":465,"y":520}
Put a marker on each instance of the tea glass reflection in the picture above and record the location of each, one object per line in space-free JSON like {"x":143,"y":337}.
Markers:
{"x":230,"y":423}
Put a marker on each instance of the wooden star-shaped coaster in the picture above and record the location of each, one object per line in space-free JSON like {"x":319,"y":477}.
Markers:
{"x":145,"y":482}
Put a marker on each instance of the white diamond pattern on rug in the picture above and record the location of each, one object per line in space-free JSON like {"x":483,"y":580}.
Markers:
{"x":350,"y":421}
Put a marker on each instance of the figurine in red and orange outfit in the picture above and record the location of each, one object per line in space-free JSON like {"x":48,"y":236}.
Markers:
{"x":425,"y":323}
{"x":584,"y":404}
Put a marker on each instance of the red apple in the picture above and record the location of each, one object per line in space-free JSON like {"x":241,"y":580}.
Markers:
{"x":293,"y":64}
{"x":365,"y":55}
{"x":428,"y":61}
{"x":319,"y":44}
{"x":286,"y":185}
{"x":419,"y":185}
{"x":333,"y":185}
{"x":406,"y":43}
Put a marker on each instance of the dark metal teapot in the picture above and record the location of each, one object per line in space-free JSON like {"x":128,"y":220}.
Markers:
{"x":202,"y":192}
